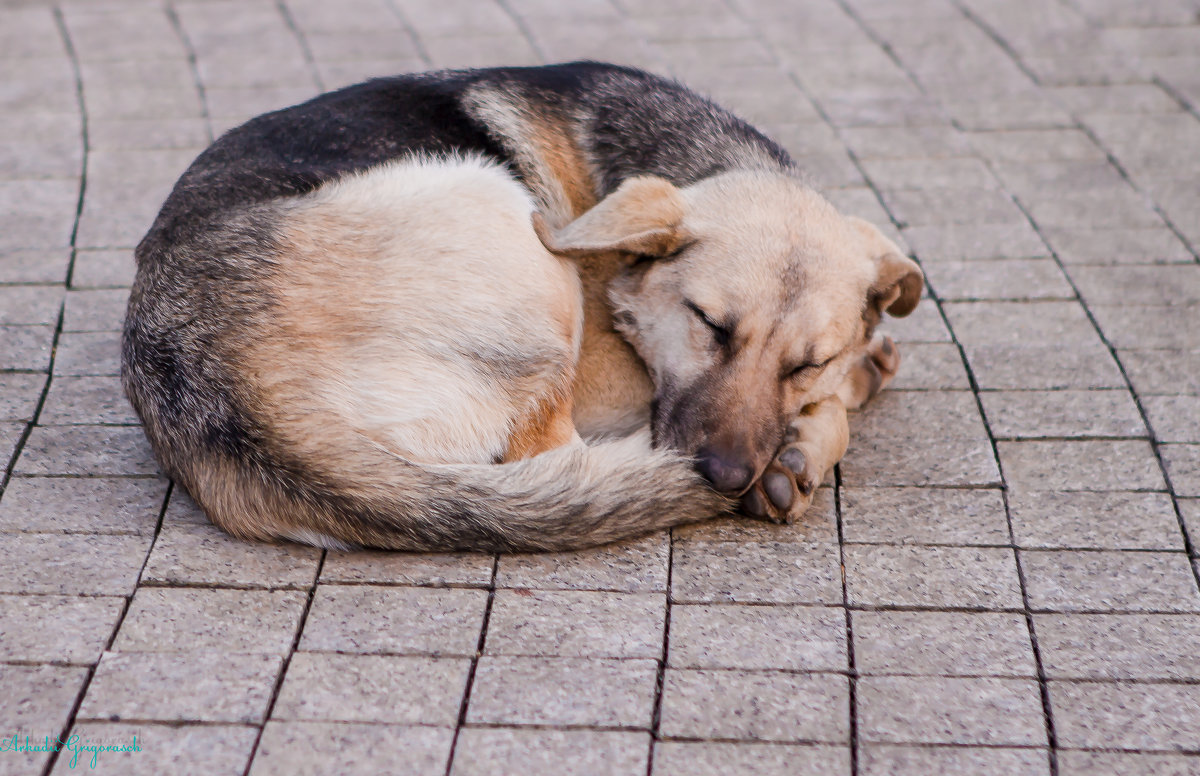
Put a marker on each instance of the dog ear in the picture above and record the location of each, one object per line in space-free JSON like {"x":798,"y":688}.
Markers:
{"x":898,"y":279}
{"x":643,"y":217}
{"x":897,"y":287}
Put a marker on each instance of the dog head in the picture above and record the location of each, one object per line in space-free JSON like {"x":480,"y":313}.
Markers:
{"x":748,"y":297}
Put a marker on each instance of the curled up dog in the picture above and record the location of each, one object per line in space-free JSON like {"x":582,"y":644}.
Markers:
{"x":507,"y":309}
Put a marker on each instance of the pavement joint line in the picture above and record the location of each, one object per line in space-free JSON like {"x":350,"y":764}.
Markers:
{"x":418,"y":44}
{"x":193,"y":66}
{"x":287,"y":661}
{"x":481,"y":645}
{"x":852,"y":666}
{"x":310,"y":62}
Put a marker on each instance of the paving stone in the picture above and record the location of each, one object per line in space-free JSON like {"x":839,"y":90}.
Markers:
{"x":1174,"y":418}
{"x":892,"y":760}
{"x":974,"y":242}
{"x":36,"y":703}
{"x":19,"y":396}
{"x":1075,"y":763}
{"x":883,"y":575}
{"x":899,"y":142}
{"x":88,"y":353}
{"x":924,"y":516}
{"x":1111,"y":521}
{"x":1125,"y":716}
{"x":372,"y":688}
{"x":127,"y":134}
{"x":1044,"y":367}
{"x":33,"y":266}
{"x":32,"y":630}
{"x":676,"y":758}
{"x":924,"y":324}
{"x":1171,"y":372}
{"x":87,"y":400}
{"x":26,"y":347}
{"x":99,"y":310}
{"x":1072,"y":581}
{"x":87,"y":451}
{"x":799,"y":638}
{"x":36,"y":214}
{"x":30,"y":305}
{"x":773,"y":572}
{"x":224,"y":750}
{"x":942,"y":643}
{"x":955,"y":462}
{"x":10,"y":437}
{"x":1119,"y":646}
{"x":638,"y":566}
{"x":1036,"y":145}
{"x":102,"y":269}
{"x":225,"y":621}
{"x":91,"y":505}
{"x":1080,"y":465}
{"x":1183,"y":467}
{"x":950,"y":710}
{"x":181,"y":687}
{"x":200,"y":553}
{"x":1167,"y":284}
{"x":403,"y":568}
{"x":482,"y":751}
{"x":912,"y":417}
{"x":573,"y":623}
{"x":1041,"y":179}
{"x":1107,"y":246}
{"x":956,"y":173}
{"x":1149,"y":327}
{"x":755,"y":706}
{"x":818,"y":524}
{"x":1062,"y":414}
{"x":930,"y":367}
{"x":926,"y":207}
{"x":313,"y":748}
{"x":1020,"y":323}
{"x":1115,"y":207}
{"x":394,"y":620}
{"x":71,"y":564}
{"x":563,"y":691}
{"x":1007,"y":279}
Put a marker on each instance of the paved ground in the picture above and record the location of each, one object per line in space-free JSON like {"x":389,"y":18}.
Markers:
{"x":1001,"y":581}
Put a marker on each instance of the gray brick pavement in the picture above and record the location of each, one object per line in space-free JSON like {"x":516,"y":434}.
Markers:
{"x":998,"y":580}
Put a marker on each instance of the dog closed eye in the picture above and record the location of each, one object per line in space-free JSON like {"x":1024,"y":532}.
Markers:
{"x":721,"y":333}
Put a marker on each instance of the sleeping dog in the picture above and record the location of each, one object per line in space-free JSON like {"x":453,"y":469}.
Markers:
{"x":503,"y":309}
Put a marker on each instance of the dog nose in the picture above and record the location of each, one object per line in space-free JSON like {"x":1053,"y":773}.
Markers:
{"x":725,"y":475}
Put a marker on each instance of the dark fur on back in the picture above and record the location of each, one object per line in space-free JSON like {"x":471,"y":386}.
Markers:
{"x":204,"y":266}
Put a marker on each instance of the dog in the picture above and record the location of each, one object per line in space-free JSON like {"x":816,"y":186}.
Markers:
{"x":508,"y":309}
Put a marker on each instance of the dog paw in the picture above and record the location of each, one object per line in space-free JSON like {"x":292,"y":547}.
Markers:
{"x":874,"y":370}
{"x":786,"y":489}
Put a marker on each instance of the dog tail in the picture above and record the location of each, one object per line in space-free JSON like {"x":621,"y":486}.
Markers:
{"x":571,"y":497}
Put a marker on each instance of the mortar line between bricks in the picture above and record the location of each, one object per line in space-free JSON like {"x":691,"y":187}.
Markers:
{"x":116,"y":629}
{"x":302,"y":40}
{"x":77,"y":73}
{"x":523,"y":28}
{"x":193,"y":66}
{"x":852,"y":672}
{"x":661,"y":675}
{"x":1155,"y":447}
{"x":461,"y":722}
{"x":1043,"y":690}
{"x":1016,"y":59}
{"x":418,"y":45}
{"x":287,"y":661}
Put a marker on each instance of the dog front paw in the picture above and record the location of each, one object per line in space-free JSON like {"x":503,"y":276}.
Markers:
{"x":785,"y":490}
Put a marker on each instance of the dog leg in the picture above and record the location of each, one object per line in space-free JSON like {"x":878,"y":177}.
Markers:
{"x":817,"y":438}
{"x":814,"y":441}
{"x":878,"y":365}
